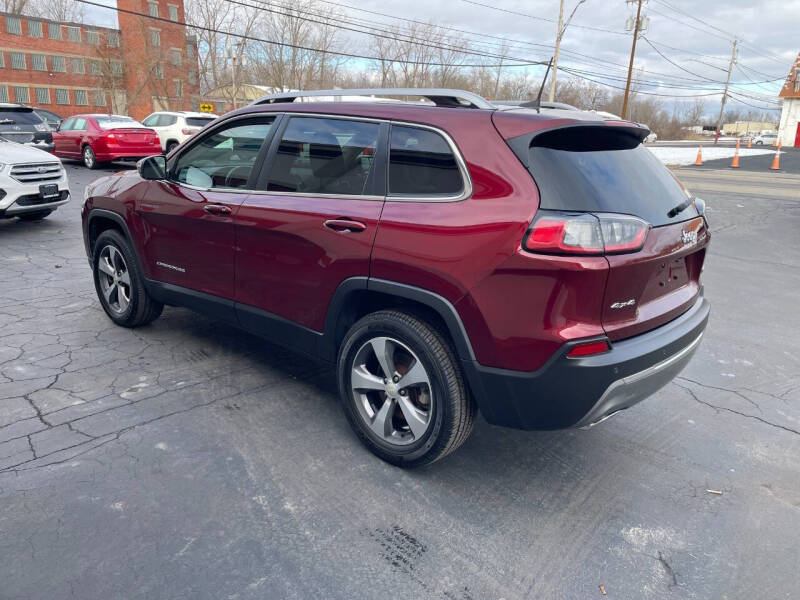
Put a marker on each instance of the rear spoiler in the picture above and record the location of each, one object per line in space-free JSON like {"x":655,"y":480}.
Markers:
{"x":580,"y":137}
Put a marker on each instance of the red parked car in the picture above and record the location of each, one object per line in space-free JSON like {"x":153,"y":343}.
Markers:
{"x":543,"y":268}
{"x":98,"y":139}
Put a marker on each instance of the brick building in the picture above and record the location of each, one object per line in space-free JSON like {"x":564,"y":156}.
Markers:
{"x":72,"y":68}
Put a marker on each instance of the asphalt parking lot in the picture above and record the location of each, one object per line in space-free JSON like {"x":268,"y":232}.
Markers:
{"x":188,"y":459}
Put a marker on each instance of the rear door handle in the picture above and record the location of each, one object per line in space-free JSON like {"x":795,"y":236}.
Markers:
{"x":217,"y":209}
{"x":344,"y":225}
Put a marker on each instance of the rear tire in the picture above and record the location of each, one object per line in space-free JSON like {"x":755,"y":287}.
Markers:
{"x":411,"y":424}
{"x":34,"y":216}
{"x":89,"y":158}
{"x":170,"y":147}
{"x":119,"y":284}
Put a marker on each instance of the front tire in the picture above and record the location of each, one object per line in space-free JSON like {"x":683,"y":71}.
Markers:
{"x":119,"y":284}
{"x":402,"y":389}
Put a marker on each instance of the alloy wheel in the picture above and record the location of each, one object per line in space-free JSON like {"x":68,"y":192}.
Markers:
{"x":88,"y":157}
{"x":392,"y":391}
{"x":115,"y":280}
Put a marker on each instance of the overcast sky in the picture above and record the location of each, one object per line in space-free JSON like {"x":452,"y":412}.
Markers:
{"x":769,"y":31}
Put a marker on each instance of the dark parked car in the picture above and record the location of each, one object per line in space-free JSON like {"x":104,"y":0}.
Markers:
{"x":52,"y":119}
{"x":447,"y":258}
{"x":21,"y":124}
{"x":98,"y":139}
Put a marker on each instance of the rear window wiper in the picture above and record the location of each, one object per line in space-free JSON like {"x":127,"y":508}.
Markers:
{"x":675,"y":211}
{"x":7,"y":121}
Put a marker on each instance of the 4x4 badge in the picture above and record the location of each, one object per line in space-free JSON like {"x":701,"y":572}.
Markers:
{"x":630,"y":302}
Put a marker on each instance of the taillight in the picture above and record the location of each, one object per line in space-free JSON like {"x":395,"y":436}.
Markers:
{"x":588,"y":349}
{"x":111,"y":136}
{"x":585,"y":233}
{"x":187,"y":131}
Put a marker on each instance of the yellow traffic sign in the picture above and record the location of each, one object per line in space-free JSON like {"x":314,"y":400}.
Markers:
{"x":206,"y":107}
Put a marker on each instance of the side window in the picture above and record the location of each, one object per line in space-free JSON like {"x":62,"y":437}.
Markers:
{"x":151,"y":121}
{"x":67,"y":125}
{"x":224,"y":158}
{"x":324,"y":156}
{"x":421,"y":163}
{"x":167,"y":120}
{"x":79,"y":125}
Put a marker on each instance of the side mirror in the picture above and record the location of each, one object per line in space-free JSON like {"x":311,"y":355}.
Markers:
{"x":58,"y":125}
{"x":153,"y":168}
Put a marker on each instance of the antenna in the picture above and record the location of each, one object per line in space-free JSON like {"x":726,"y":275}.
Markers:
{"x":537,"y":104}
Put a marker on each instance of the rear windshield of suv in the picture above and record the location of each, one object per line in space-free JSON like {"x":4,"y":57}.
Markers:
{"x":604,"y":169}
{"x":18,"y":117}
{"x":198,"y":121}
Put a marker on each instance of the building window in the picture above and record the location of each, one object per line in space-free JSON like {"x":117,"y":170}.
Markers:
{"x":3,"y":93}
{"x":2,"y":61}
{"x":42,"y":96}
{"x":18,"y":61}
{"x":58,"y":64}
{"x":62,"y":96}
{"x":99,"y":98}
{"x":189,"y":51}
{"x":116,"y":68}
{"x":112,"y":39}
{"x":93,"y":37}
{"x":95,"y":67}
{"x":153,"y":8}
{"x":81,"y":98}
{"x":155,"y":38}
{"x":22,"y":94}
{"x":77,"y":66}
{"x":175,"y":55}
{"x":38,"y":62}
{"x":14,"y":25}
{"x":54,"y":31}
{"x":35,"y":28}
{"x":178,"y":88}
{"x":73,"y":33}
{"x":195,"y":103}
{"x":192,"y":77}
{"x":173,"y":12}
{"x":158,"y":71}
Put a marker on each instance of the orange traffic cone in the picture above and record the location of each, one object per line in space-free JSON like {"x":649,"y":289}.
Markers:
{"x":699,"y":160}
{"x":735,"y":161}
{"x":749,"y":142}
{"x":774,"y":144}
{"x":776,"y":162}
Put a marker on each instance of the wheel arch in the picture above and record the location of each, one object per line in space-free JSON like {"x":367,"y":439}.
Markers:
{"x":359,"y":296}
{"x":101,"y":220}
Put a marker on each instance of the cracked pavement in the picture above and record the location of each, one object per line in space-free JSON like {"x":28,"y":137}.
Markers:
{"x":188,"y":459}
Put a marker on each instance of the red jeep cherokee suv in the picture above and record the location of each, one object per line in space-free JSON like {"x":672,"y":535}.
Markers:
{"x":450,"y":256}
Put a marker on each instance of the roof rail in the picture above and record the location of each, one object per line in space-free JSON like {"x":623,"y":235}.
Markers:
{"x":439,"y":96}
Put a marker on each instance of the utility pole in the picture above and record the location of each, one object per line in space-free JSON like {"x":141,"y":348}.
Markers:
{"x":636,"y":27}
{"x":235,"y":54}
{"x":562,"y":27}
{"x":725,"y":93}
{"x":559,"y":34}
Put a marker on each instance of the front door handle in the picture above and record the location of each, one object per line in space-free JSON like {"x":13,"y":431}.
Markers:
{"x":344,"y":225}
{"x":217,"y":209}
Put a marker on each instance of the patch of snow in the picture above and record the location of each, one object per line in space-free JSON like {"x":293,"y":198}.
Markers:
{"x":687,"y":156}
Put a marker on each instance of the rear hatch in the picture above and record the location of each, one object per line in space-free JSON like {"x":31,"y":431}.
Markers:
{"x":20,"y":124}
{"x":603,"y":169}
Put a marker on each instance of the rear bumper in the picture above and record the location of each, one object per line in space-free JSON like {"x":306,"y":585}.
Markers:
{"x":580,"y":392}
{"x":127,"y":154}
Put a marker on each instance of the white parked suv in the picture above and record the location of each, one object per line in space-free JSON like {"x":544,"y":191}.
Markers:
{"x":174,"y":127}
{"x":768,"y":138}
{"x":33,"y":183}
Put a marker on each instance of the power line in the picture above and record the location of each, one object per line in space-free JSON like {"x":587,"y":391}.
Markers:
{"x":538,"y":18}
{"x":294,"y":46}
{"x":676,"y":65}
{"x":573,"y":72}
{"x":735,"y":99}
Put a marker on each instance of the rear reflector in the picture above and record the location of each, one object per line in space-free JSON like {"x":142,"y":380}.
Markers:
{"x":585,"y":233}
{"x":588,"y":349}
